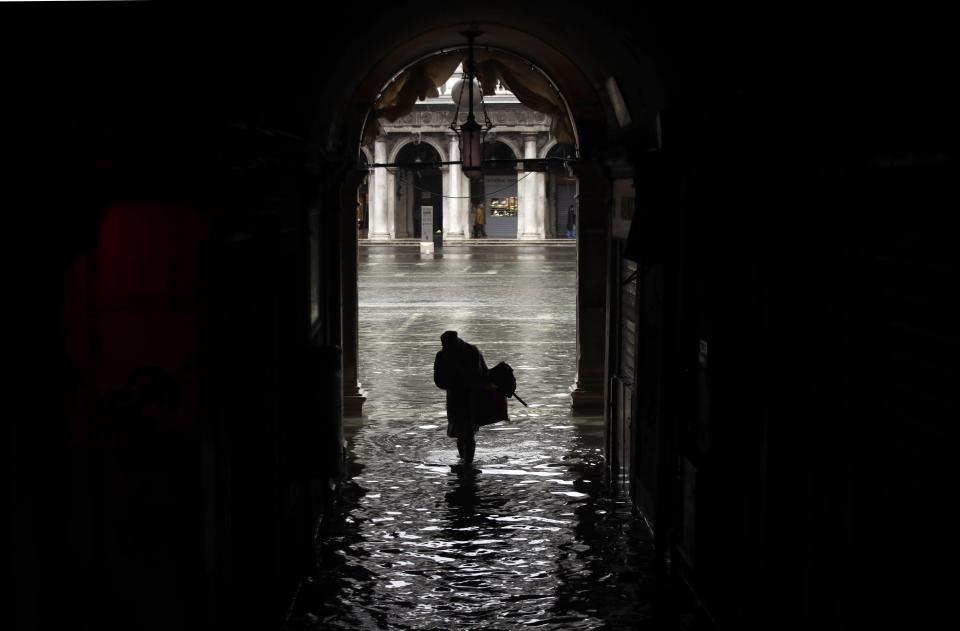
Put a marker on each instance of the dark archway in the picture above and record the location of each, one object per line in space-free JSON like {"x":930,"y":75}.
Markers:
{"x":591,"y":115}
{"x":498,"y":190}
{"x":495,"y":149}
{"x":416,"y":187}
{"x":562,"y":191}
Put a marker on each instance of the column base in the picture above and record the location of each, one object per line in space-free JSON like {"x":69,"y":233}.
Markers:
{"x":530,"y":237}
{"x":381,"y":236}
{"x":353,"y":402}
{"x":587,"y":396}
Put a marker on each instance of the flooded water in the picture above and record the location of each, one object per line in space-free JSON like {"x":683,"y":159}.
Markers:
{"x":531,"y":539}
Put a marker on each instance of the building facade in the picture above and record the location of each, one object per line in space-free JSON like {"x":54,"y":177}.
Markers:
{"x":518,"y":204}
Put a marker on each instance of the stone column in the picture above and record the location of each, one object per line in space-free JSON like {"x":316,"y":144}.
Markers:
{"x":445,"y":191}
{"x":541,"y":186}
{"x":452,"y":210}
{"x":466,"y":207}
{"x":527,"y":193}
{"x":391,"y":205}
{"x":592,"y":228}
{"x":354,"y":395}
{"x":378,"y":230}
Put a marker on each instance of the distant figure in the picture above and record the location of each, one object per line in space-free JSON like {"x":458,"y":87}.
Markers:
{"x":459,"y":369}
{"x":479,"y":222}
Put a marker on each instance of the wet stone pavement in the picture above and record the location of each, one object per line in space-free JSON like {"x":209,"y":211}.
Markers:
{"x":531,"y":540}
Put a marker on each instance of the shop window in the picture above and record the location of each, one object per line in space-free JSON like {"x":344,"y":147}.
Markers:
{"x":503,"y":206}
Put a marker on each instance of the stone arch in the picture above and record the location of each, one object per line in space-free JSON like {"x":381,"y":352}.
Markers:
{"x":571,"y":67}
{"x":395,"y":151}
{"x":341,"y":126}
{"x":569,"y":110}
{"x":547,"y":147}
{"x":514,"y":147}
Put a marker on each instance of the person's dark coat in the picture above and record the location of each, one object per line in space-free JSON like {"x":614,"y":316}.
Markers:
{"x":459,"y":370}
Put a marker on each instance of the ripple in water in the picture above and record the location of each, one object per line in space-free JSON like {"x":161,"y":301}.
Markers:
{"x":528,"y":539}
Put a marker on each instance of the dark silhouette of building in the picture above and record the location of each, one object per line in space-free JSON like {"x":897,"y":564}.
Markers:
{"x":765,"y":295}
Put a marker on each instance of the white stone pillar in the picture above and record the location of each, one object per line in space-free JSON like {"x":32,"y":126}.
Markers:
{"x":466,"y":207}
{"x":527,"y":193}
{"x":541,"y":186}
{"x":392,"y":204}
{"x":378,"y":230}
{"x":445,"y":191}
{"x":451,"y":215}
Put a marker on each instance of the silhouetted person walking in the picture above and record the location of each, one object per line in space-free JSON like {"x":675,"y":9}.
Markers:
{"x":459,"y":369}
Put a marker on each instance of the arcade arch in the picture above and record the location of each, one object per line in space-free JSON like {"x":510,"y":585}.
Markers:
{"x":415,"y":187}
{"x":588,"y":112}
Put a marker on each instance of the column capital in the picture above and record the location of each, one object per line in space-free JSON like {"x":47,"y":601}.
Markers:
{"x":454,"y":148}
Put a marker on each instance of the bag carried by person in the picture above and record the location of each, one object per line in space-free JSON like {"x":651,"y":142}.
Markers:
{"x":490,"y":399}
{"x":502,"y":376}
{"x":489,"y":406}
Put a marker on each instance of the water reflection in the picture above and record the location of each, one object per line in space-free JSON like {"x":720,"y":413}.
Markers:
{"x":504,"y":547}
{"x":528,"y":540}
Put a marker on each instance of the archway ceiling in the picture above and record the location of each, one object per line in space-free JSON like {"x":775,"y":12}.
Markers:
{"x":569,"y":76}
{"x":576,"y":81}
{"x":420,"y":81}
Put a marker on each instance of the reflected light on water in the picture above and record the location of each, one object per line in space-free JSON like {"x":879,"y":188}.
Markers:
{"x":526,"y":539}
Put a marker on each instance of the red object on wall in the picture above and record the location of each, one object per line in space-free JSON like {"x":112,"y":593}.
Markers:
{"x":132,"y":303}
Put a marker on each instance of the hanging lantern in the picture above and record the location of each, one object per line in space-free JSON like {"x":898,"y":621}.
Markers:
{"x":459,"y":93}
{"x":470,"y":132}
{"x":471,"y":135}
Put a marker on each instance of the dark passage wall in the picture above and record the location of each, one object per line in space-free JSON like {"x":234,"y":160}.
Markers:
{"x":794,"y":222}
